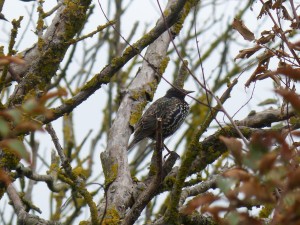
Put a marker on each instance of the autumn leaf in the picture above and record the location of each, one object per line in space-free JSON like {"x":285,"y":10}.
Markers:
{"x":10,"y":59}
{"x":214,"y":211}
{"x":235,"y":147}
{"x":282,"y":53}
{"x":294,"y":179}
{"x":290,"y":97}
{"x":264,"y":9}
{"x":295,"y":45}
{"x":267,"y":162}
{"x":242,"y":29}
{"x":4,"y":127}
{"x":27,"y":126}
{"x":253,"y":188}
{"x":295,"y":133}
{"x":58,"y":93}
{"x":260,"y":69}
{"x":199,"y":201}
{"x":4,"y":178}
{"x":246,"y":53}
{"x":266,"y":39}
{"x":289,"y":71}
{"x":277,"y":4}
{"x":238,"y":174}
{"x":265,"y":57}
{"x":285,"y":14}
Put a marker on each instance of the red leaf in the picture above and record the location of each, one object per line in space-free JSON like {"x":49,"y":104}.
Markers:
{"x":199,"y":201}
{"x":290,"y":97}
{"x":294,"y":179}
{"x":289,"y":71}
{"x":267,"y":162}
{"x":235,"y":146}
{"x":239,"y":174}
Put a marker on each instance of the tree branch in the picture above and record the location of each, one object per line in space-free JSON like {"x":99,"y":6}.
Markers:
{"x":114,"y":159}
{"x":266,"y":117}
{"x":43,"y":59}
{"x":109,"y":71}
{"x":146,"y":196}
{"x":49,"y":179}
{"x":24,"y":218}
{"x":78,"y":183}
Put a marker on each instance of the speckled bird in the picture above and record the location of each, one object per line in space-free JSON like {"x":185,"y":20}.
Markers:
{"x":172,"y":108}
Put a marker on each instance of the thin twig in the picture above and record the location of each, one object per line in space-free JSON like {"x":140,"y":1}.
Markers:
{"x":78,"y":184}
{"x":58,"y":147}
{"x":294,"y":12}
{"x":282,"y":35}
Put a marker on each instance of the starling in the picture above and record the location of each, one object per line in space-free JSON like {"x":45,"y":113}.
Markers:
{"x":171,"y":108}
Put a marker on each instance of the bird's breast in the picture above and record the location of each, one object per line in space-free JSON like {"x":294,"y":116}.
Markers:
{"x":174,"y":118}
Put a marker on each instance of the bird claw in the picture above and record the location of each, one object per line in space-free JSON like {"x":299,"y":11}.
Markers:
{"x":169,"y":151}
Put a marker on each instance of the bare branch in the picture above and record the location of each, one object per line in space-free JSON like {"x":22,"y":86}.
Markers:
{"x":49,"y":179}
{"x":146,"y":196}
{"x":23,"y":217}
{"x":265,"y":118}
{"x":79,"y":183}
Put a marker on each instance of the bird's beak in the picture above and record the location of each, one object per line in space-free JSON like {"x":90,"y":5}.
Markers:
{"x":2,"y":17}
{"x":188,"y":92}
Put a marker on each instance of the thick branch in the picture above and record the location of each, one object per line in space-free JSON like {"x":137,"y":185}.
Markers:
{"x":114,"y":159}
{"x":146,"y":196}
{"x":199,"y":188}
{"x":266,"y":118}
{"x":108,"y":72}
{"x":43,"y":59}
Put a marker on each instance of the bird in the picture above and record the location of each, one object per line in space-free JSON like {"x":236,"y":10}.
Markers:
{"x":171,"y":108}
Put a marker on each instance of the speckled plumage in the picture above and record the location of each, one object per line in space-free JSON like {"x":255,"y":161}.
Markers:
{"x":172,"y":108}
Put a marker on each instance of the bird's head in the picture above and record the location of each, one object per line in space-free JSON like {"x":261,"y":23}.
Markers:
{"x":177,"y":92}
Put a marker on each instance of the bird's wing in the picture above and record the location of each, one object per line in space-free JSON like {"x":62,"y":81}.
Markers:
{"x":148,"y":120}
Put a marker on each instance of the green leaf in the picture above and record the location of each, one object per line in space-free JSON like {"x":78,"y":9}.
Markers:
{"x":19,"y":148}
{"x":15,"y":114}
{"x":225,"y":184}
{"x":30,"y":105}
{"x":268,"y":101}
{"x":4,"y":128}
{"x":232,"y":218}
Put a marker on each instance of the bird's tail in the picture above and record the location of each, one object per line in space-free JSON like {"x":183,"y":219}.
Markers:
{"x":134,"y":142}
